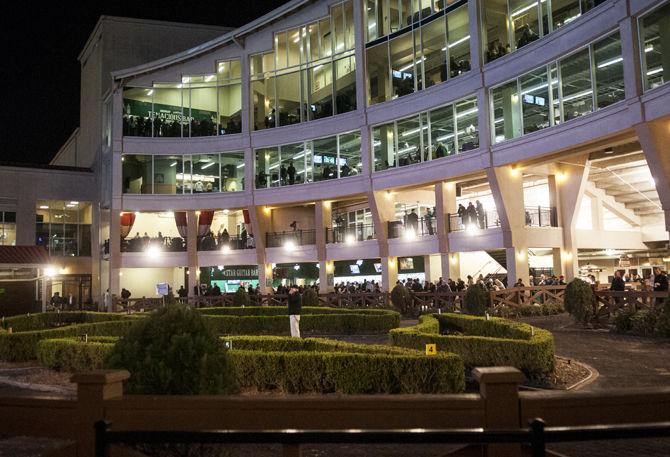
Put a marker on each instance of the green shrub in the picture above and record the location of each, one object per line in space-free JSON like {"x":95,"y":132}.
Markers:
{"x":400,"y":297}
{"x":241,"y":297}
{"x":22,"y":346}
{"x":579,"y":300}
{"x":643,"y":323}
{"x":43,"y":321}
{"x":310,"y":297}
{"x":301,"y":365}
{"x":663,"y":321}
{"x":173,"y":351}
{"x":476,"y":300}
{"x":481,"y":342}
{"x":623,"y":322}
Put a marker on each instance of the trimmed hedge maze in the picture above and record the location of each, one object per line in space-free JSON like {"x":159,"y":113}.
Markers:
{"x":481,"y":342}
{"x":310,"y":365}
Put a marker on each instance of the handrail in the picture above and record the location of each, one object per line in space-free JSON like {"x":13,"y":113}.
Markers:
{"x":537,"y":435}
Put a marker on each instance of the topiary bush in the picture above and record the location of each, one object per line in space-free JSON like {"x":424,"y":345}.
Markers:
{"x":643,"y":323}
{"x":663,"y":322}
{"x":400,"y":297}
{"x":310,"y":297}
{"x":622,"y":321}
{"x":173,"y":352}
{"x":476,"y":300}
{"x":241,"y":297}
{"x":579,"y":300}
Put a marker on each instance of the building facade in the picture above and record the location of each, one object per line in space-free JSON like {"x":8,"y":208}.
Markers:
{"x":333,"y":141}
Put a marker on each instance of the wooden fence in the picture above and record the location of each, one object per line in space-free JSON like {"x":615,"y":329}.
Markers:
{"x":498,"y":405}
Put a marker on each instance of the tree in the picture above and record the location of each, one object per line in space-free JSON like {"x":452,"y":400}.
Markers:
{"x":400,"y":297}
{"x":241,"y":297}
{"x":173,"y":352}
{"x":476,"y":300}
{"x":580,"y":301}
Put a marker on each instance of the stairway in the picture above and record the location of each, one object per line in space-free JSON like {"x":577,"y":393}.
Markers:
{"x":499,"y":256}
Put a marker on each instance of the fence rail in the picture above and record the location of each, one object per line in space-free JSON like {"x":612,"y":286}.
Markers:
{"x":536,"y":436}
{"x":296,"y":237}
{"x":359,"y":232}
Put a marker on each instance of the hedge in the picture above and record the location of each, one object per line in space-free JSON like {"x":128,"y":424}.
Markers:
{"x":43,"y":321}
{"x":300,"y":365}
{"x":481,"y":342}
{"x":314,"y":320}
{"x":22,"y":346}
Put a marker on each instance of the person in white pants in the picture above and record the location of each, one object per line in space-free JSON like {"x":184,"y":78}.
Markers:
{"x":294,"y":308}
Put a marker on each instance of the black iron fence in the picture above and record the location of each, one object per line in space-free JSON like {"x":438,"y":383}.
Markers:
{"x":539,"y":216}
{"x":351,"y":234}
{"x":409,"y":229}
{"x":213,"y":243}
{"x":292,"y":238}
{"x":535,"y":438}
{"x":482,"y":220}
{"x":141,"y":244}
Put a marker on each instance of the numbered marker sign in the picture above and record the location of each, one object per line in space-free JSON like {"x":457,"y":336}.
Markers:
{"x":227,"y":344}
{"x":431,"y":349}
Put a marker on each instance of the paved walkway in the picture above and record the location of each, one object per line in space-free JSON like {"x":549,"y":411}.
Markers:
{"x":622,"y":360}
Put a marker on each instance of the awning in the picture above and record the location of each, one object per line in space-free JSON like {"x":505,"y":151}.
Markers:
{"x":24,"y":256}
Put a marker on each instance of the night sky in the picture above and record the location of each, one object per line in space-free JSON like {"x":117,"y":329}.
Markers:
{"x":40,"y":71}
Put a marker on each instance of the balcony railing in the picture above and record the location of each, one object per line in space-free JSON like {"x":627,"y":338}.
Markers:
{"x":539,"y":216}
{"x":292,"y":238}
{"x":409,"y":229}
{"x":141,"y":244}
{"x":351,"y":234}
{"x":483,"y":220}
{"x":213,"y":243}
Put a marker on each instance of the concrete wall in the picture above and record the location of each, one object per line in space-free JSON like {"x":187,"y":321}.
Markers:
{"x":141,"y":282}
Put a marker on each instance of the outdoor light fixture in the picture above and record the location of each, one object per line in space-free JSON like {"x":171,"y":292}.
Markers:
{"x":50,"y":271}
{"x":290,"y":244}
{"x":350,"y":239}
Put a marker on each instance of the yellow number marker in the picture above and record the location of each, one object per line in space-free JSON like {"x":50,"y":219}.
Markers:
{"x":431,"y":349}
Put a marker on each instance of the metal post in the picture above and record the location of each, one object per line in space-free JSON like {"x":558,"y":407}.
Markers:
{"x":537,"y":438}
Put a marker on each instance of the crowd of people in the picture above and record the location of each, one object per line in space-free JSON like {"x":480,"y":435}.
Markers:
{"x":474,"y":214}
{"x":141,"y":126}
{"x":140,"y":243}
{"x":212,"y":242}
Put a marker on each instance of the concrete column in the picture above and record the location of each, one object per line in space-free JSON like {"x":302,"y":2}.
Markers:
{"x":389,"y":273}
{"x":265,"y":278}
{"x":569,"y":180}
{"x":326,"y":276}
{"x":246,"y":98}
{"x":192,"y":250}
{"x":499,"y":387}
{"x":654,"y":138}
{"x":322,"y":222}
{"x":359,"y":37}
{"x":115,"y":251}
{"x":382,"y":207}
{"x":630,"y":51}
{"x":507,"y":187}
{"x":445,"y":204}
{"x":96,"y":254}
{"x":43,"y":285}
{"x":451,"y":265}
{"x":474,"y":11}
{"x":596,"y":213}
{"x":93,"y":389}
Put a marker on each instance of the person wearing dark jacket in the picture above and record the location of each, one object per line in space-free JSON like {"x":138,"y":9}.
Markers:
{"x":294,"y":308}
{"x":660,"y":283}
{"x":618,"y":284}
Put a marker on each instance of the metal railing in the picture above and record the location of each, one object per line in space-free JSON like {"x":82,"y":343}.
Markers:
{"x":237,"y":242}
{"x":536,"y":436}
{"x":296,"y":237}
{"x":539,"y":216}
{"x":409,"y":229}
{"x":481,"y":221}
{"x":350,"y":234}
{"x":141,"y":244}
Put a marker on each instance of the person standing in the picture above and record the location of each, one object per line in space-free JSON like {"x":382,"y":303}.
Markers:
{"x":107,"y":301}
{"x":294,"y":308}
{"x":429,"y":221}
{"x":291,"y":173}
{"x":660,"y":284}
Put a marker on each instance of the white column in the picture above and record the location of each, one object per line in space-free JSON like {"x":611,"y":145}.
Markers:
{"x":192,"y":251}
{"x":326,"y":276}
{"x":389,"y":273}
{"x":654,"y":138}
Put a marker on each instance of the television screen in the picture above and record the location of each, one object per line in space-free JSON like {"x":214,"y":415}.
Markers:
{"x":378,"y":267}
{"x":354,"y":269}
{"x":407,"y":263}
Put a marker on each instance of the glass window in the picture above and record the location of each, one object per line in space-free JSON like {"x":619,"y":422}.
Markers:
{"x":7,"y":228}
{"x":263,"y":102}
{"x":325,"y":158}
{"x":402,"y":65}
{"x":609,"y":71}
{"x":458,"y":34}
{"x":496,"y":37}
{"x":655,"y":33}
{"x":506,"y":118}
{"x":137,"y":109}
{"x":313,"y":41}
{"x":374,"y":17}
{"x":205,"y":173}
{"x":434,"y":55}
{"x":467,"y":125}
{"x":167,"y":110}
{"x":137,"y":174}
{"x":326,"y":38}
{"x":377,"y":61}
{"x":281,"y":51}
{"x":576,"y":85}
{"x":293,"y":158}
{"x":349,"y":162}
{"x":442,"y":138}
{"x":294,"y":47}
{"x":349,"y":30}
{"x":320,"y":91}
{"x":524,"y":21}
{"x":553,"y":84}
{"x":535,"y":100}
{"x":345,"y":85}
{"x":232,"y":171}
{"x":383,"y":145}
{"x":288,"y":98}
{"x":165,"y":174}
{"x":337,"y":16}
{"x":230,"y":95}
{"x":267,"y":168}
{"x":63,"y":227}
{"x":564,"y":12}
{"x":409,"y":141}
{"x":203,"y":111}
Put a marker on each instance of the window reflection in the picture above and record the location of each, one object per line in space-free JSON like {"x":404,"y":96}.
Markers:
{"x":655,"y":34}
{"x":64,"y":227}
